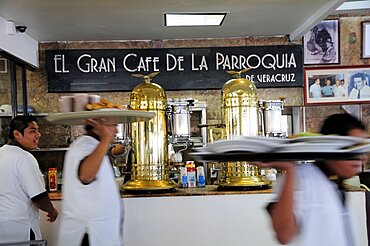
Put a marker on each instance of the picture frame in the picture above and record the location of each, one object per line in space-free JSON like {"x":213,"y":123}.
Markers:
{"x":321,"y":44}
{"x":353,"y":86}
{"x":365,"y":39}
{"x":3,"y":65}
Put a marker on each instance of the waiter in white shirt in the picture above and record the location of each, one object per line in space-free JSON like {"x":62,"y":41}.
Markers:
{"x":91,"y":211}
{"x":22,"y":187}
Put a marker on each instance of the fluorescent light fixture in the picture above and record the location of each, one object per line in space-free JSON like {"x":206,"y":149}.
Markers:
{"x":354,"y":5}
{"x":194,"y":19}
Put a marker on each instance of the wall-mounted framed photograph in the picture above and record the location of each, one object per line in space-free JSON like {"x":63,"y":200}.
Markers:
{"x":3,"y":65}
{"x":321,"y":43}
{"x":366,"y":39}
{"x":337,"y":85}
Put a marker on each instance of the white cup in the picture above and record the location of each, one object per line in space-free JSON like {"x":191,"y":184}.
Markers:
{"x":66,"y":104}
{"x":94,"y":99}
{"x":80,"y":101}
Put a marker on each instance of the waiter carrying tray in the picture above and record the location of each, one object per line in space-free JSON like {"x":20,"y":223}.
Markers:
{"x":91,"y":209}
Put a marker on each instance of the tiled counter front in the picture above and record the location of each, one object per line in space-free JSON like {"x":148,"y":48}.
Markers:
{"x":201,"y":216}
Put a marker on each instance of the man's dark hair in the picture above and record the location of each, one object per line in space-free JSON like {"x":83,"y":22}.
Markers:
{"x":338,"y":124}
{"x":359,"y":75}
{"x":89,"y":128}
{"x":341,"y":124}
{"x":20,"y":123}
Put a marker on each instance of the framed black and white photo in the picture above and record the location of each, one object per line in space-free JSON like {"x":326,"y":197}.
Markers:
{"x":321,"y":43}
{"x":333,"y":85}
{"x":3,"y":65}
{"x":366,"y":39}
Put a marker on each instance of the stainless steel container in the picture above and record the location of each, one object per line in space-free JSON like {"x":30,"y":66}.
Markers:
{"x":241,"y":118}
{"x":149,"y":139}
{"x":178,"y":112}
{"x":272,"y":117}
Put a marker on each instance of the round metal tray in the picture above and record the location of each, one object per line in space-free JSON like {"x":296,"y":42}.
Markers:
{"x":273,"y":156}
{"x":78,"y":118}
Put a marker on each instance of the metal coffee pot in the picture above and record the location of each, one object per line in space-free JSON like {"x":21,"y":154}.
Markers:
{"x":241,"y":118}
{"x":149,"y":139}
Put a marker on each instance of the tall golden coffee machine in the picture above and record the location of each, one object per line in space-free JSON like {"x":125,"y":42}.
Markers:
{"x":149,"y":139}
{"x":241,"y":118}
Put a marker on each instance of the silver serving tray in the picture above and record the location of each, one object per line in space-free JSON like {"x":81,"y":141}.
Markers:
{"x":78,"y":118}
{"x":274,"y":156}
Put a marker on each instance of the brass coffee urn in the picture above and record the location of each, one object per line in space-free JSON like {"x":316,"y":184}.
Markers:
{"x":241,"y":118}
{"x":149,"y":139}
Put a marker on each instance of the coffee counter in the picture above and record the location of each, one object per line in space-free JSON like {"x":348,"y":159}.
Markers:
{"x":201,"y":216}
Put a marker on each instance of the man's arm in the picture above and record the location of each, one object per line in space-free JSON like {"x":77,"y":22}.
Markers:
{"x":281,"y":211}
{"x":311,"y":94}
{"x":89,"y":166}
{"x":43,"y":202}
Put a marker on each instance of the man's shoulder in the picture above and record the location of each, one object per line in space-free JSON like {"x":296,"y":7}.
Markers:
{"x":83,"y":143}
{"x":12,"y":149}
{"x":366,"y":87}
{"x":314,"y":86}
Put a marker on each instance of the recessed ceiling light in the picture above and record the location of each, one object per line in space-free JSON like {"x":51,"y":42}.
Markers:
{"x":194,"y":19}
{"x":354,"y":5}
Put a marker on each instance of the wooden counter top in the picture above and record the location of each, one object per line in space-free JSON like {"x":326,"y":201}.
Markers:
{"x":209,"y":190}
{"x":206,"y":191}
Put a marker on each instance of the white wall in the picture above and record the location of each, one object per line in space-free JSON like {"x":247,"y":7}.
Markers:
{"x":19,"y":45}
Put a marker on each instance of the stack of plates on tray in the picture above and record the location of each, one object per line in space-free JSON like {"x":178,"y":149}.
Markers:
{"x":325,"y":144}
{"x":311,"y":144}
{"x":244,"y":144}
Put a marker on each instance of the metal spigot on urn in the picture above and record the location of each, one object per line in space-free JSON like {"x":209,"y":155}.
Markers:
{"x":149,"y":139}
{"x":241,"y":118}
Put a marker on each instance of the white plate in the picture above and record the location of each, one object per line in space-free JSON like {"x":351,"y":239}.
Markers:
{"x":360,"y":148}
{"x":311,"y":147}
{"x":122,"y":116}
{"x":328,"y":139}
{"x":223,"y":146}
{"x":200,"y":149}
{"x":265,"y":140}
{"x":108,"y":109}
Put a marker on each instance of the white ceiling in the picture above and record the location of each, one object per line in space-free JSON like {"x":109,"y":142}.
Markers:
{"x":96,"y":20}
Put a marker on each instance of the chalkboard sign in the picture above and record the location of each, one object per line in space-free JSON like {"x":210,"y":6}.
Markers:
{"x":180,"y":68}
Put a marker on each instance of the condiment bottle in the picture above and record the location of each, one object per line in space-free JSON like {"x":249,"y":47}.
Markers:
{"x":53,"y":179}
{"x":183,"y":178}
{"x":190,"y":166}
{"x":201,"y":182}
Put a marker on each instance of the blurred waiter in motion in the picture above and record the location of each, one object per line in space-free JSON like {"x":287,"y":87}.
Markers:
{"x":91,"y":211}
{"x":22,"y":186}
{"x":310,"y":208}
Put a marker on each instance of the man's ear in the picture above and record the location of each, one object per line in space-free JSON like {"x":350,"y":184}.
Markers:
{"x":17,"y":134}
